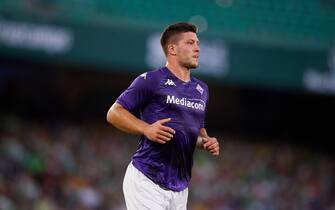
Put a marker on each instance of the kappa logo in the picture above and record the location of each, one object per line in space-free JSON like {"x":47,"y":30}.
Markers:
{"x":170,"y":82}
{"x":200,"y":89}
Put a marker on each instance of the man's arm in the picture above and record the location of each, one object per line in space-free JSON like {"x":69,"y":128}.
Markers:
{"x":124,"y":120}
{"x":208,"y":143}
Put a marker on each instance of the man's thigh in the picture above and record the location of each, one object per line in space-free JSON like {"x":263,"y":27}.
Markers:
{"x":179,"y":200}
{"x":141,"y":193}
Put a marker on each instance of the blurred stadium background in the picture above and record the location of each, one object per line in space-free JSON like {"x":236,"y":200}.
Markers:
{"x":270,"y":66}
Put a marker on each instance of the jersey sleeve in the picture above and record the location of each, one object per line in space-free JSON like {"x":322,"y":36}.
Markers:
{"x":138,"y":93}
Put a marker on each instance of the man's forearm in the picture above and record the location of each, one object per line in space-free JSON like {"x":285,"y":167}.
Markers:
{"x":124,"y":120}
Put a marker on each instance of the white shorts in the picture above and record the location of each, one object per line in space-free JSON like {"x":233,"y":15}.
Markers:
{"x":142,"y":193}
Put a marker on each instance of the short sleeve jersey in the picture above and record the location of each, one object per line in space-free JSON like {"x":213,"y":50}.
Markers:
{"x":159,"y":94}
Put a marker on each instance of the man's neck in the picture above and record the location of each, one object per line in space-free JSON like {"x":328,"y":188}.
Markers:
{"x":180,"y":72}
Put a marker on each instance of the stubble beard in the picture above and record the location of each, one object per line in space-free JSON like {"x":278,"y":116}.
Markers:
{"x":190,"y":65}
{"x":193,"y":65}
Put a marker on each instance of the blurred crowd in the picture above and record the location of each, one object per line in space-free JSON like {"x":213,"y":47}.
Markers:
{"x":80,"y":166}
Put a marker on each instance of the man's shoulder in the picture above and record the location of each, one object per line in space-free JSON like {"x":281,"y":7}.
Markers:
{"x":153,"y":75}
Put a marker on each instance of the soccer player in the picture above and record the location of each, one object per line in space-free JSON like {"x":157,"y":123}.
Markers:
{"x":172,"y":106}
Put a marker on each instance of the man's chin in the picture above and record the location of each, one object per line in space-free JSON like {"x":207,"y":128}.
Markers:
{"x":193,"y":66}
{"x":190,"y":65}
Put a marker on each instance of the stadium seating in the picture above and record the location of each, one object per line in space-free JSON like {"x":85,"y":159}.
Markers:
{"x":67,"y":165}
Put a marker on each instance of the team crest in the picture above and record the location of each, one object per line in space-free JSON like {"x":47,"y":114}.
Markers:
{"x":200,"y":89}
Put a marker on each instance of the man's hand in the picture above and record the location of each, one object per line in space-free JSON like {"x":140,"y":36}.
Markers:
{"x":157,"y":132}
{"x":211,"y":145}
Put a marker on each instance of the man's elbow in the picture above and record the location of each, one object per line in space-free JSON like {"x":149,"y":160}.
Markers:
{"x":111,"y":115}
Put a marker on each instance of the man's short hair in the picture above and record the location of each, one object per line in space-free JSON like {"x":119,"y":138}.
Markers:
{"x":172,"y":30}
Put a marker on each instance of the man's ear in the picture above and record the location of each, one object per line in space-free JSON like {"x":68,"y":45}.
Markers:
{"x":171,"y":49}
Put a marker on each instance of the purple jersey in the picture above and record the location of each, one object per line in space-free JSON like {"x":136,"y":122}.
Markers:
{"x":157,"y":95}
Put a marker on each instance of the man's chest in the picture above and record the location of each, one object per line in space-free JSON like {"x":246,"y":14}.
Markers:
{"x":182,"y":97}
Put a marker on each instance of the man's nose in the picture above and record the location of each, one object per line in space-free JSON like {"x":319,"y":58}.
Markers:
{"x":197,"y":48}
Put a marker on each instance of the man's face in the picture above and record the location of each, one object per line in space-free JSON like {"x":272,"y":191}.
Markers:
{"x":187,"y":50}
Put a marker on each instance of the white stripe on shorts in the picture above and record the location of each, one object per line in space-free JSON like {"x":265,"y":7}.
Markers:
{"x":142,"y":193}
